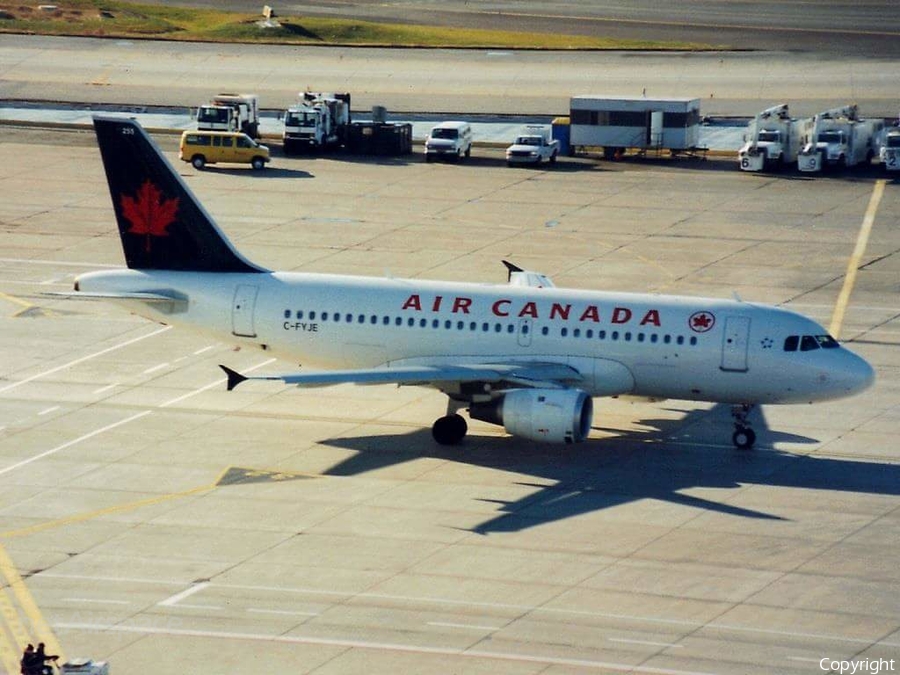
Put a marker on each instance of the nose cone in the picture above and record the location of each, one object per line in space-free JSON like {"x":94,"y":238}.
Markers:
{"x":856,"y":375}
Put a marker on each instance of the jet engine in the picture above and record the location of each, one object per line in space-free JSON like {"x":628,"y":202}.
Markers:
{"x":545,"y":415}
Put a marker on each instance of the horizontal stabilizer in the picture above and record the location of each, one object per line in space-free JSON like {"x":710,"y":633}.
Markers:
{"x":546,"y":375}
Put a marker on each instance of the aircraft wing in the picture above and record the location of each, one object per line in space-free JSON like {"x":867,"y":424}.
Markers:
{"x":545,"y":375}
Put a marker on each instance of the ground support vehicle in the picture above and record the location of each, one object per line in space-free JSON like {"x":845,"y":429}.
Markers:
{"x":617,"y":124}
{"x":839,"y":138}
{"x":230,"y":112}
{"x":212,"y":147}
{"x":319,"y":121}
{"x":533,"y":146}
{"x":889,"y":154}
{"x":773,"y":140}
{"x":451,"y":140}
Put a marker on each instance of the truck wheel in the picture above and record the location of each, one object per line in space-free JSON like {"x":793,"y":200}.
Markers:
{"x":468,"y":152}
{"x":198,"y":162}
{"x":258,"y":163}
{"x":553,"y":158}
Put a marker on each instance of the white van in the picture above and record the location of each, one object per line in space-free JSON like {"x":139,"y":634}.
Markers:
{"x":449,"y":139}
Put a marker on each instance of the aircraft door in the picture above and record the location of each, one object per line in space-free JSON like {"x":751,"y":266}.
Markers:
{"x":242,"y":310}
{"x":735,"y":341}
{"x":524,"y":332}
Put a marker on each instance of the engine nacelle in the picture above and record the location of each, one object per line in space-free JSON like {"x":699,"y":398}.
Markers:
{"x":545,"y":415}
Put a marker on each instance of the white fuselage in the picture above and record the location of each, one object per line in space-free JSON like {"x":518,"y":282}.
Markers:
{"x":643,"y":345}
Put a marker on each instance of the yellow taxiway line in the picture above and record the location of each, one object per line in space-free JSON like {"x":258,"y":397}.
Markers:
{"x":39,"y":626}
{"x":840,"y":307}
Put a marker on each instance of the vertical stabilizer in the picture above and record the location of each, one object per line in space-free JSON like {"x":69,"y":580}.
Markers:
{"x":161,"y":223}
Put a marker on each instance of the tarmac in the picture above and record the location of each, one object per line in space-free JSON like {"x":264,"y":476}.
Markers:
{"x":156,"y":521}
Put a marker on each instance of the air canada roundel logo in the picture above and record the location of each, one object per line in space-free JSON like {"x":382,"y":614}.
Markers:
{"x":700,"y":322}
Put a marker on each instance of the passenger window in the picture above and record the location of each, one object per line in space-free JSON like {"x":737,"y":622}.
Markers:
{"x":423,"y":323}
{"x":373,"y":319}
{"x":336,"y":317}
{"x":510,"y":329}
{"x":601,"y":334}
{"x":808,"y":343}
{"x":324,"y":316}
{"x":654,"y":337}
{"x":693,"y":341}
{"x":386,"y":320}
{"x":312,"y":316}
{"x":589,"y":333}
{"x":244,"y":142}
{"x":287,"y":314}
{"x":349,"y":318}
{"x":545,"y":330}
{"x":615,"y":335}
{"x":627,"y":337}
{"x":564,"y":332}
{"x":497,"y":327}
{"x":361,"y":318}
{"x":435,"y":323}
{"x":227,"y":142}
{"x":485,"y":326}
{"x":576,"y":332}
{"x":667,"y":339}
{"x":680,"y":339}
{"x":398,"y":321}
{"x":791,"y":342}
{"x":411,"y":322}
{"x":448,"y":324}
{"x":460,"y":325}
{"x":640,"y":337}
{"x":473,"y":326}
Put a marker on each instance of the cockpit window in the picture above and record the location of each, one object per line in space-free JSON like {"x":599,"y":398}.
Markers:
{"x":808,"y":343}
{"x":791,"y":342}
{"x":827,"y":342}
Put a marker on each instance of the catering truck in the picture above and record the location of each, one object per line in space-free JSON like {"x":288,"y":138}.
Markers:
{"x":230,"y":112}
{"x":839,"y":138}
{"x":318,"y":121}
{"x":618,"y":124}
{"x":773,"y":140}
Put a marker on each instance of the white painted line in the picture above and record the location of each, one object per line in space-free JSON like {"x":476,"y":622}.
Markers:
{"x":57,"y":263}
{"x":281,"y":612}
{"x":204,"y":350}
{"x":217,"y":383}
{"x":83,"y":359}
{"x":97,"y":601}
{"x":471,"y":626}
{"x":381,"y":646}
{"x":155,"y":368}
{"x":101,"y":390}
{"x":646,"y":642}
{"x":186,"y":593}
{"x":69,"y":444}
{"x":494,"y":605}
{"x":48,"y":411}
{"x":212,"y":608}
{"x":804,"y":659}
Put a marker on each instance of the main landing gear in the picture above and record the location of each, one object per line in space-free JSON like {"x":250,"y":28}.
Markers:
{"x":451,"y":428}
{"x":743,"y":436}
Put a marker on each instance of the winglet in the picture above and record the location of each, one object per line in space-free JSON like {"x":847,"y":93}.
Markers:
{"x":234,"y":377}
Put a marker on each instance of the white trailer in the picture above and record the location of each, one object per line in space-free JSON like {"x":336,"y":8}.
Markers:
{"x":230,"y":112}
{"x":618,"y":124}
{"x":773,"y":140}
{"x":889,"y":154}
{"x":839,"y":138}
{"x":319,"y":121}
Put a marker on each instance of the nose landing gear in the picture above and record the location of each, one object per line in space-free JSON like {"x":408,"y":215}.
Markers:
{"x":743,"y":437}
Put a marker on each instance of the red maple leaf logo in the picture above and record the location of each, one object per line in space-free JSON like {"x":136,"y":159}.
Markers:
{"x":701,"y":322}
{"x":149,"y":213}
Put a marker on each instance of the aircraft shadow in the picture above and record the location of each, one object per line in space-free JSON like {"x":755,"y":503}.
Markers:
{"x":664,"y":461}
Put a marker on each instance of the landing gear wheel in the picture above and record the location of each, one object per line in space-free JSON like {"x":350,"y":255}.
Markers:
{"x":449,"y":430}
{"x":743,"y":438}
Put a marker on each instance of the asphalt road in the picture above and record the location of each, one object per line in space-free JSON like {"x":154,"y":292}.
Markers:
{"x":833,"y":27}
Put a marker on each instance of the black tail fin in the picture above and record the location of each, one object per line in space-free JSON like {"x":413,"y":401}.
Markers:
{"x":161,"y":223}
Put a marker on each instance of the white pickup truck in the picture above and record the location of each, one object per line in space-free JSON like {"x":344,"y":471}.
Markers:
{"x":533,"y":146}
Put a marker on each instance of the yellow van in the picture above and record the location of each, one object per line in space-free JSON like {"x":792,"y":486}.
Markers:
{"x":210,"y":147}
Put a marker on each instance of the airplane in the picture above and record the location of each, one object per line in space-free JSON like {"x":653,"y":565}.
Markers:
{"x":525,"y":355}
